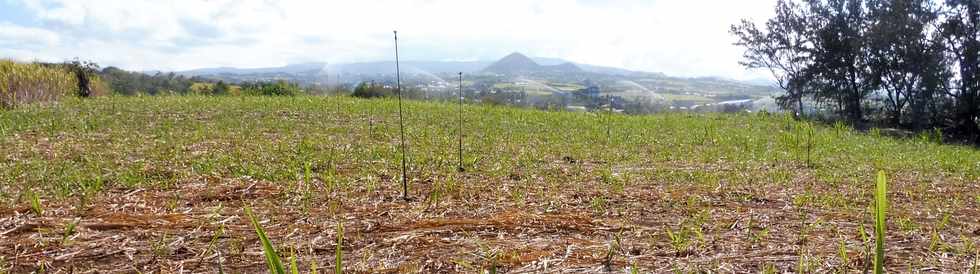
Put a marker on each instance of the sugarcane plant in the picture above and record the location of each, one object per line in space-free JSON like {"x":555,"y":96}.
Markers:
{"x":272,"y":259}
{"x":881,"y":206}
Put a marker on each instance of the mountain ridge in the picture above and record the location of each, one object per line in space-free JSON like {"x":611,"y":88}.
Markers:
{"x":523,"y":62}
{"x":517,"y":63}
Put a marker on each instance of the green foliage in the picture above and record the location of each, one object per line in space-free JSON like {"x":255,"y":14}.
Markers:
{"x":220,"y":88}
{"x":136,"y":83}
{"x":293,"y":266}
{"x":502,"y":137}
{"x":70,"y":229}
{"x":277,"y":88}
{"x":919,"y":55}
{"x":372,"y":90}
{"x":842,"y":252}
{"x":272,"y":259}
{"x":36,"y":206}
{"x":339,"y":263}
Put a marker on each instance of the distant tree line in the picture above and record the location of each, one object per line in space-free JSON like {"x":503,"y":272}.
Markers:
{"x":913,"y":64}
{"x":135,"y":83}
{"x":378,"y":90}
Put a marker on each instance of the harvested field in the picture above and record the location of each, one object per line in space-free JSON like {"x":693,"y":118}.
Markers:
{"x":158,"y":185}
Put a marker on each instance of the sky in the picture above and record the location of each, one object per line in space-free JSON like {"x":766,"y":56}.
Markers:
{"x":686,"y":38}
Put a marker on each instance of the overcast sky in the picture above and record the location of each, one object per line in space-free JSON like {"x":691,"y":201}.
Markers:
{"x":677,"y":37}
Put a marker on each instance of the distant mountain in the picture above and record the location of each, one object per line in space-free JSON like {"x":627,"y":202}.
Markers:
{"x":366,"y":68}
{"x":592,"y":68}
{"x":296,"y":68}
{"x":513,"y":63}
{"x":516,"y":63}
{"x":564,"y":67}
{"x":388,"y":67}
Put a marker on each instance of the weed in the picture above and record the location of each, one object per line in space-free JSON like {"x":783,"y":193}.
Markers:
{"x":339,"y":252}
{"x":679,"y":240}
{"x":36,"y":206}
{"x":598,"y":204}
{"x":293,"y":266}
{"x":842,"y":252}
{"x":768,"y":268}
{"x":69,"y":231}
{"x":214,"y":239}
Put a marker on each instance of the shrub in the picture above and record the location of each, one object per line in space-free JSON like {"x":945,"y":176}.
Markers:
{"x":372,"y":90}
{"x":277,"y":88}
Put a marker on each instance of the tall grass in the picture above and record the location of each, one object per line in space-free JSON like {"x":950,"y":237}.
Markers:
{"x":28,"y":83}
{"x":25,"y":83}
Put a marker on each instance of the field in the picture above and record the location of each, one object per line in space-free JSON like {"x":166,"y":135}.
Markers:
{"x":158,"y":184}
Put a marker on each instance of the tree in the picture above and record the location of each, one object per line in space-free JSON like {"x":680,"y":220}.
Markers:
{"x":841,"y":58}
{"x":961,"y":30}
{"x":220,"y":88}
{"x":904,"y":56}
{"x":371,"y":90}
{"x":783,"y":47}
{"x":84,"y":73}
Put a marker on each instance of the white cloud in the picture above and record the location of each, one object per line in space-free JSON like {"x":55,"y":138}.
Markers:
{"x":678,"y":37}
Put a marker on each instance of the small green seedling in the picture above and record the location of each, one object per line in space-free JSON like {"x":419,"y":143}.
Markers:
{"x":271,"y":256}
{"x":881,"y":206}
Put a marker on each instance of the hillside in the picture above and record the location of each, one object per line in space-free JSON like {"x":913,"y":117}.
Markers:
{"x":518,"y":64}
{"x":539,"y":78}
{"x":159,"y":184}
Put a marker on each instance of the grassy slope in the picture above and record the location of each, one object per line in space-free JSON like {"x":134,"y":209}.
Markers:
{"x":733,"y":190}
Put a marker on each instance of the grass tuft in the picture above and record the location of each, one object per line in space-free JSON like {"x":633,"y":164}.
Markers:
{"x":36,"y":206}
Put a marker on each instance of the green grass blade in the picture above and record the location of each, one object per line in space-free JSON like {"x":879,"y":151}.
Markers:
{"x":271,"y":256}
{"x":293,"y":267}
{"x":881,"y":206}
{"x":339,"y":267}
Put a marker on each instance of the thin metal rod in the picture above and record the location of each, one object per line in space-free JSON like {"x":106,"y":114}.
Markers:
{"x":401,"y":123}
{"x":460,"y":167}
{"x":609,"y":119}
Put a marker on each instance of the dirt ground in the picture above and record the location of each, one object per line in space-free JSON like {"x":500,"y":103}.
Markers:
{"x":522,"y":224}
